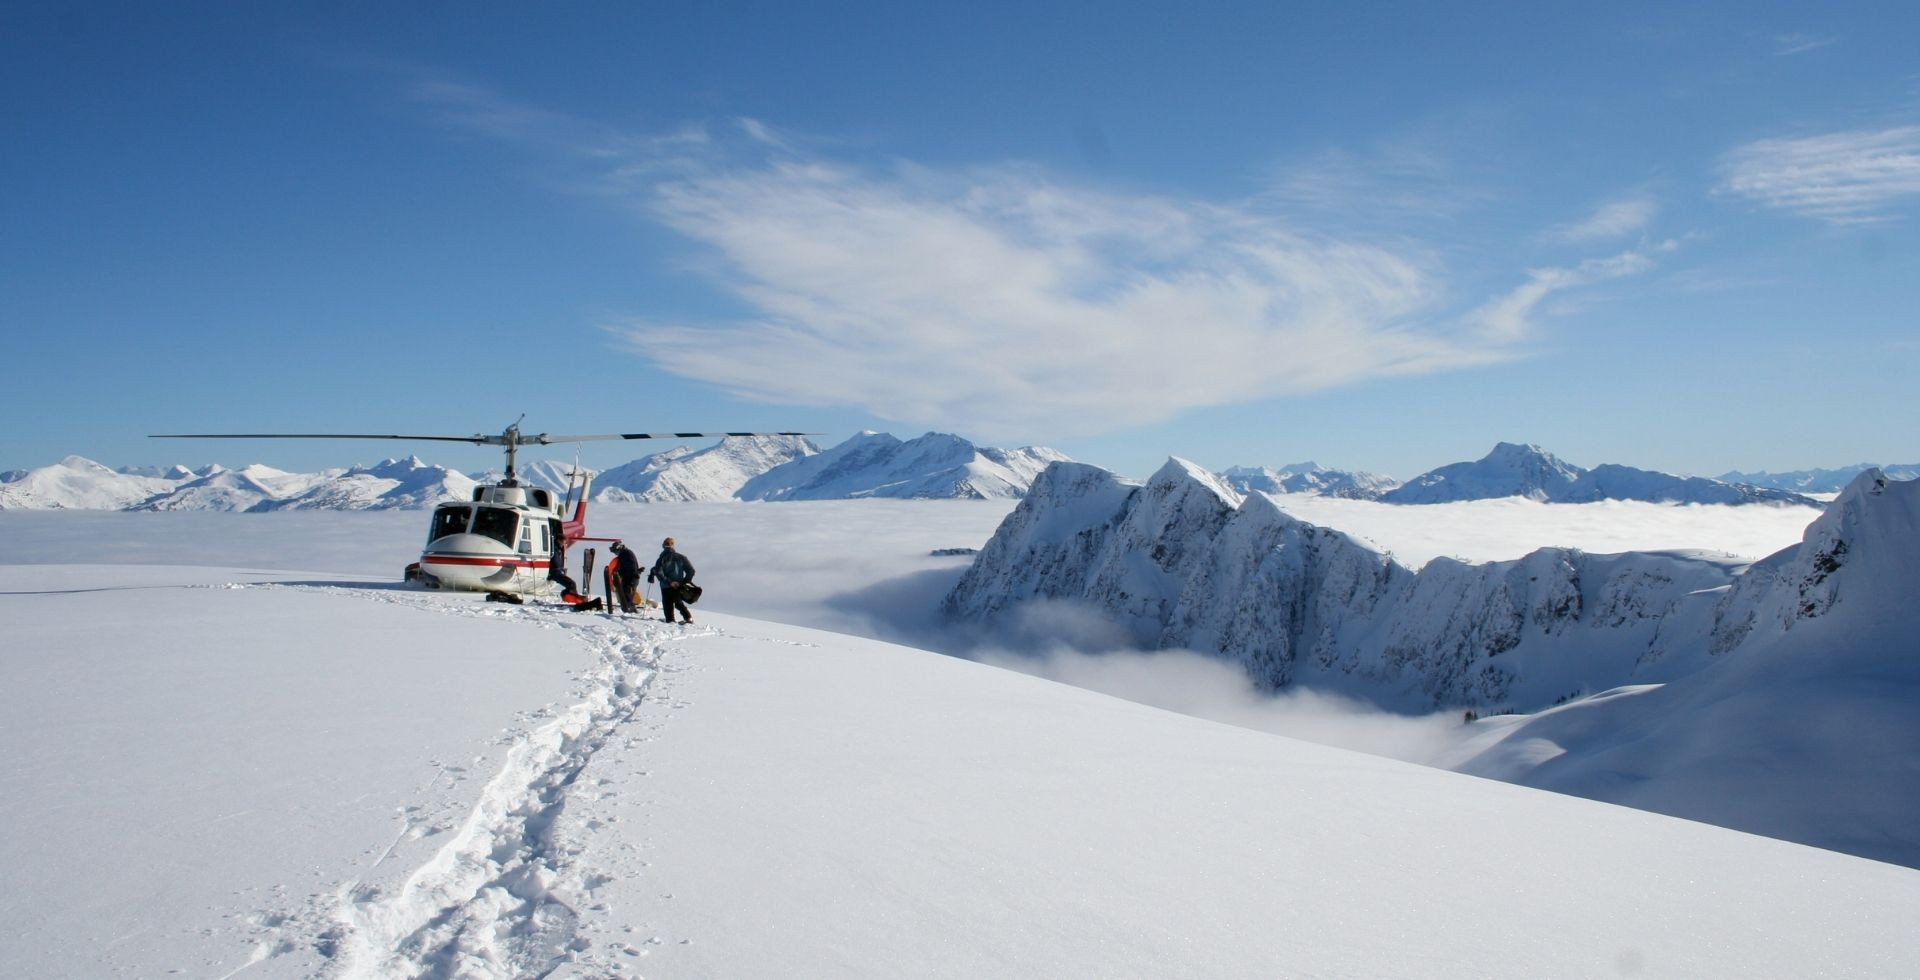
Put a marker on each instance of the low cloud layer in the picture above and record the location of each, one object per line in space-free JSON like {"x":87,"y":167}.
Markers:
{"x":1206,"y":687}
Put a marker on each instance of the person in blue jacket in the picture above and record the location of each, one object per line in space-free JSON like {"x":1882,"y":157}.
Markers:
{"x":674,"y":573}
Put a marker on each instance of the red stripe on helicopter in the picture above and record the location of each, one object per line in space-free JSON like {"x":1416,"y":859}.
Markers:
{"x":457,"y":560}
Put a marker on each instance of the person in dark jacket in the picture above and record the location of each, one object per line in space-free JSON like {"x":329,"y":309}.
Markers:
{"x":626,"y":575}
{"x":557,"y":564}
{"x":675,"y":573}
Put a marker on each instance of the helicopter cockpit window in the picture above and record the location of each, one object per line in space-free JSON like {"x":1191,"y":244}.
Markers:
{"x":449,"y":520}
{"x":498,"y":523}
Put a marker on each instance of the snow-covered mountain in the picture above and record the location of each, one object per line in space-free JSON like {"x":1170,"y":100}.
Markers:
{"x":1308,"y":478}
{"x":1511,"y":470}
{"x":75,"y":483}
{"x":1821,"y":481}
{"x":219,"y":488}
{"x":550,"y":474}
{"x":875,"y":464}
{"x":395,"y":483}
{"x":1185,"y":562}
{"x":1813,"y":681}
{"x":1515,"y":470}
{"x":871,"y":464}
{"x":78,"y":483}
{"x":714,"y":473}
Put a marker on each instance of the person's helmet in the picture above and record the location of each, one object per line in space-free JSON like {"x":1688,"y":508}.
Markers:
{"x":616,"y":546}
{"x":667,"y":543}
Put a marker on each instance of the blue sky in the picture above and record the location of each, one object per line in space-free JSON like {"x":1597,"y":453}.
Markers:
{"x":1380,"y":236}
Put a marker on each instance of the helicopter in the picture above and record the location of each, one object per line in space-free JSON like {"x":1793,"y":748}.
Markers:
{"x":506,"y":537}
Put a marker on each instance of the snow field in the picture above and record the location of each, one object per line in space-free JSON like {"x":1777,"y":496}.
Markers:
{"x":222,"y":770}
{"x":490,"y":900}
{"x":827,"y":806}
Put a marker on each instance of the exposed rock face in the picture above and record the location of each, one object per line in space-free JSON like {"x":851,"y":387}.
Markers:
{"x":1185,"y":562}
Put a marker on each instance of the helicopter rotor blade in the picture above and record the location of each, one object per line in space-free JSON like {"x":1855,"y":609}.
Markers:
{"x":544,"y":438}
{"x":478,"y":440}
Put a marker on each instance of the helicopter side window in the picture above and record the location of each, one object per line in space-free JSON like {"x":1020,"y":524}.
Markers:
{"x":526,"y":537}
{"x":497,"y":523}
{"x":449,"y":520}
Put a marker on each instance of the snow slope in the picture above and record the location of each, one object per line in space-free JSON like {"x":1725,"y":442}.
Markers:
{"x":1818,"y":687}
{"x":286,"y":776}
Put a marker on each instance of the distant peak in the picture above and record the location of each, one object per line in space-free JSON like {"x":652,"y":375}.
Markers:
{"x":84,"y":464}
{"x":1505,"y":450}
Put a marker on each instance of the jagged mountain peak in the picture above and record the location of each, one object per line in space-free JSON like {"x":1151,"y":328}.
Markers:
{"x":1179,"y":473}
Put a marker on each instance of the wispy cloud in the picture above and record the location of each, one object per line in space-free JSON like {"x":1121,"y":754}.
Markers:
{"x":1000,"y":300}
{"x":1843,"y":178}
{"x":1792,"y":44}
{"x":1614,"y":219}
{"x":1411,"y":178}
{"x":1509,"y":318}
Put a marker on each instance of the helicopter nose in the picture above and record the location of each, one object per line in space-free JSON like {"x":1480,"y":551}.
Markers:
{"x":471,"y":561}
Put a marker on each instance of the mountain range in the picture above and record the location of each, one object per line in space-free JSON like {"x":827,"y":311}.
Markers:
{"x":1683,"y":670}
{"x":1821,"y":481}
{"x":1516,"y":470}
{"x":1308,"y":478}
{"x":871,"y":464}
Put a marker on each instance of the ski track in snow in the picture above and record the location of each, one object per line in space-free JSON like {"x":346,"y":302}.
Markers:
{"x":501,"y":898}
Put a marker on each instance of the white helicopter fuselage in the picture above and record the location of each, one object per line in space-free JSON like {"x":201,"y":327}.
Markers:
{"x":502,"y":540}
